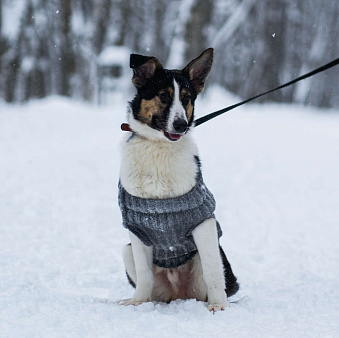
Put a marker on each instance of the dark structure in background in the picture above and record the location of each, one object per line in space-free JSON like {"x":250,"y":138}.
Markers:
{"x":258,"y":44}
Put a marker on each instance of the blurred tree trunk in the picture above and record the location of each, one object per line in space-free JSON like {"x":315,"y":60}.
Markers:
{"x":160,"y":17}
{"x":102,"y":10}
{"x":318,"y":90}
{"x":178,"y":46}
{"x":125,"y":10}
{"x":272,"y":31}
{"x":11,"y":80}
{"x":67,"y":61}
{"x":334,"y":75}
{"x":195,"y":31}
{"x":0,"y":20}
{"x":2,"y":41}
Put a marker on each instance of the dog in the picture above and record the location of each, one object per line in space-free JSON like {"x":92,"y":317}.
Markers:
{"x":174,"y":251}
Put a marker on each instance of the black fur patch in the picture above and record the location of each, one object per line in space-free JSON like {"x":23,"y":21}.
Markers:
{"x":138,"y":60}
{"x":232,"y":285}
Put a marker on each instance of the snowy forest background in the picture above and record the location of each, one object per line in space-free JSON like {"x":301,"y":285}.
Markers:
{"x":52,"y":47}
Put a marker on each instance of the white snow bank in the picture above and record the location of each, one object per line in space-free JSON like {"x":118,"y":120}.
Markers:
{"x":273,"y":170}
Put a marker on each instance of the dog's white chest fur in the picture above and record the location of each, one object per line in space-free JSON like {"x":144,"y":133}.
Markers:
{"x":158,"y":169}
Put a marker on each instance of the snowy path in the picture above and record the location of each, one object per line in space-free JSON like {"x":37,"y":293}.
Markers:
{"x":274,"y":171}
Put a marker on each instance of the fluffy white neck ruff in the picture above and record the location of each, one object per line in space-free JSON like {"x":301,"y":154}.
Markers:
{"x":154,"y":167}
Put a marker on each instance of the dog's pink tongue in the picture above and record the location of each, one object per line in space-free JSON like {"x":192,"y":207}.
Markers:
{"x":174,"y":136}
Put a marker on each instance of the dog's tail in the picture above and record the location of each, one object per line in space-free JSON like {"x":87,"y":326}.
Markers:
{"x":232,"y":286}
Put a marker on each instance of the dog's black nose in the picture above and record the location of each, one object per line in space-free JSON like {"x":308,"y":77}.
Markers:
{"x":180,"y":125}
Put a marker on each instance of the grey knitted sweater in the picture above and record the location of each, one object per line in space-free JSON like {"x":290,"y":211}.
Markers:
{"x":167,"y":224}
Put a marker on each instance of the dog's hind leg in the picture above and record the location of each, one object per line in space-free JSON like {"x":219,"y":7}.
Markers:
{"x":143,"y":268}
{"x":127,"y":254}
{"x":197,"y":287}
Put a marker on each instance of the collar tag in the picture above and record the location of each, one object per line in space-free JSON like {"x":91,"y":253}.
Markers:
{"x":126,"y":127}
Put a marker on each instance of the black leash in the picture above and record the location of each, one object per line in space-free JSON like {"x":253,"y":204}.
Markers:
{"x":224,"y":110}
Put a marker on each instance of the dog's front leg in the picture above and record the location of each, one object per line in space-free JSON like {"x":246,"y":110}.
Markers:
{"x":143,"y":259}
{"x":206,"y":239}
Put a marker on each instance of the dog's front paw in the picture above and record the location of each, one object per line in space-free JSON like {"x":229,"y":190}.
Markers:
{"x":217,"y":307}
{"x":130,"y":301}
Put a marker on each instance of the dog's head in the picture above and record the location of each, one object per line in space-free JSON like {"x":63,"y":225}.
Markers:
{"x":163,"y":107}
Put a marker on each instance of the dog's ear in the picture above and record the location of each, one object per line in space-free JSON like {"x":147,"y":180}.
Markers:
{"x":144,"y":68}
{"x":197,"y":70}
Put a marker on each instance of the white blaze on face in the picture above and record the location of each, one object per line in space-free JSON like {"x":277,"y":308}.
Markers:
{"x":177,"y":110}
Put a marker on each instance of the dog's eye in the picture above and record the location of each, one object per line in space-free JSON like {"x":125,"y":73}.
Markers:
{"x":186,"y":99}
{"x":164,"y":97}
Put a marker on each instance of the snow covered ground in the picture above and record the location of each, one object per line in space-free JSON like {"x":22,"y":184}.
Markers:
{"x":274,"y":171}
